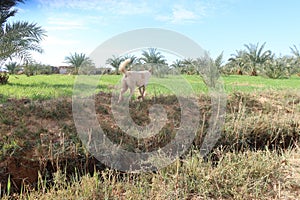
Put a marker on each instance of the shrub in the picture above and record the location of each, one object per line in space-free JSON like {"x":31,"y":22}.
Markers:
{"x":37,"y":68}
{"x":277,"y":69}
{"x":4,"y":78}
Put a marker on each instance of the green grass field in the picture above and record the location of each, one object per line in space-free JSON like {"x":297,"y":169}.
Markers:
{"x":256,"y":157}
{"x":43,"y":87}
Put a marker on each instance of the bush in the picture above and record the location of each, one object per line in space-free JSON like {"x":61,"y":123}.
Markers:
{"x":4,"y":78}
{"x":37,"y":69}
{"x":277,"y":69}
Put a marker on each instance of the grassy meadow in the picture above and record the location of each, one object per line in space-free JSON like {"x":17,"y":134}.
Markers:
{"x":256,"y":157}
{"x":42,"y":87}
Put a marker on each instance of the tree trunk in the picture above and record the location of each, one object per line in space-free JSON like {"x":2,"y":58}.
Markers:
{"x":254,"y":73}
{"x":239,"y":72}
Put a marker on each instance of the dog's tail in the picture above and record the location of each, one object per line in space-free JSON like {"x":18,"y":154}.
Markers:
{"x":123,"y":65}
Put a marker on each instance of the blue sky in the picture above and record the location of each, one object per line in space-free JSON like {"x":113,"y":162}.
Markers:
{"x":216,"y":25}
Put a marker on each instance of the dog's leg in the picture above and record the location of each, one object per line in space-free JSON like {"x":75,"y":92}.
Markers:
{"x":123,"y":90}
{"x":142,"y":92}
{"x":131,"y":92}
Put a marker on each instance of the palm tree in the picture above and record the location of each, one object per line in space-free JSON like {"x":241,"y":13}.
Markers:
{"x":189,"y":66}
{"x":177,"y":64}
{"x":115,"y":62}
{"x":256,"y":56}
{"x":133,"y":58}
{"x":18,"y":39}
{"x":11,"y":66}
{"x":219,"y":61}
{"x":6,"y":11}
{"x":188,"y":61}
{"x":237,"y":62}
{"x":177,"y":67}
{"x":153,"y":56}
{"x":77,"y":60}
{"x":295,"y":51}
{"x":295,"y":60}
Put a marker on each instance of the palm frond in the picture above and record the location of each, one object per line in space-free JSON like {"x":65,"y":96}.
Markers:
{"x":295,"y":51}
{"x":260,"y":49}
{"x":6,"y":10}
{"x":219,"y":60}
{"x":153,"y":56}
{"x":19,"y":38}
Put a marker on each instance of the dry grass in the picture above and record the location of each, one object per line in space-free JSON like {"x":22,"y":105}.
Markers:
{"x":257,"y":156}
{"x":248,"y":175}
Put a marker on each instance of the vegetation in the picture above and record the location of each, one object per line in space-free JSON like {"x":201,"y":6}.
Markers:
{"x":256,"y":56}
{"x":254,"y":61}
{"x":153,"y":56}
{"x":3,"y":78}
{"x":80,"y":61}
{"x":115,"y":62}
{"x":43,"y":87}
{"x":12,"y":67}
{"x":249,"y":175}
{"x":17,"y":38}
{"x":42,"y":157}
{"x":256,"y":157}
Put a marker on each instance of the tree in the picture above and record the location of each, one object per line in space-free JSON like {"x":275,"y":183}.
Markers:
{"x":6,"y":11}
{"x":18,"y":39}
{"x":177,"y":64}
{"x":256,"y":56}
{"x":277,"y":68}
{"x":11,"y":66}
{"x":219,"y":61}
{"x":77,"y":60}
{"x":153,"y":56}
{"x":115,"y":62}
{"x":189,"y":66}
{"x":295,"y":51}
{"x":237,"y":62}
{"x":88,"y":67}
{"x":133,"y":58}
{"x":295,"y":61}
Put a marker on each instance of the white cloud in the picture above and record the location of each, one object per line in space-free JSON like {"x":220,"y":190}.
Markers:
{"x":181,"y":11}
{"x":175,"y":12}
{"x":55,"y":41}
{"x":114,"y":7}
{"x":179,"y":15}
{"x":131,"y":8}
{"x":59,"y":23}
{"x":82,"y":14}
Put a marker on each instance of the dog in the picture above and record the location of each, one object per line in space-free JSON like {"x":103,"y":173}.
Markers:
{"x":132,"y":80}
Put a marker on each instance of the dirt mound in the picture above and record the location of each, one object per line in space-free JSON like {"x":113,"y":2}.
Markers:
{"x":40,"y":137}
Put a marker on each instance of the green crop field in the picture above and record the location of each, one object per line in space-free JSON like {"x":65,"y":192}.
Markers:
{"x":43,"y":87}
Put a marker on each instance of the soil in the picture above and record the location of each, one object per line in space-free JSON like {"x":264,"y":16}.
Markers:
{"x":37,"y":138}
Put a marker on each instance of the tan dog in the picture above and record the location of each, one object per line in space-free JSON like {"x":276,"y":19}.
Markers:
{"x":133,"y":79}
